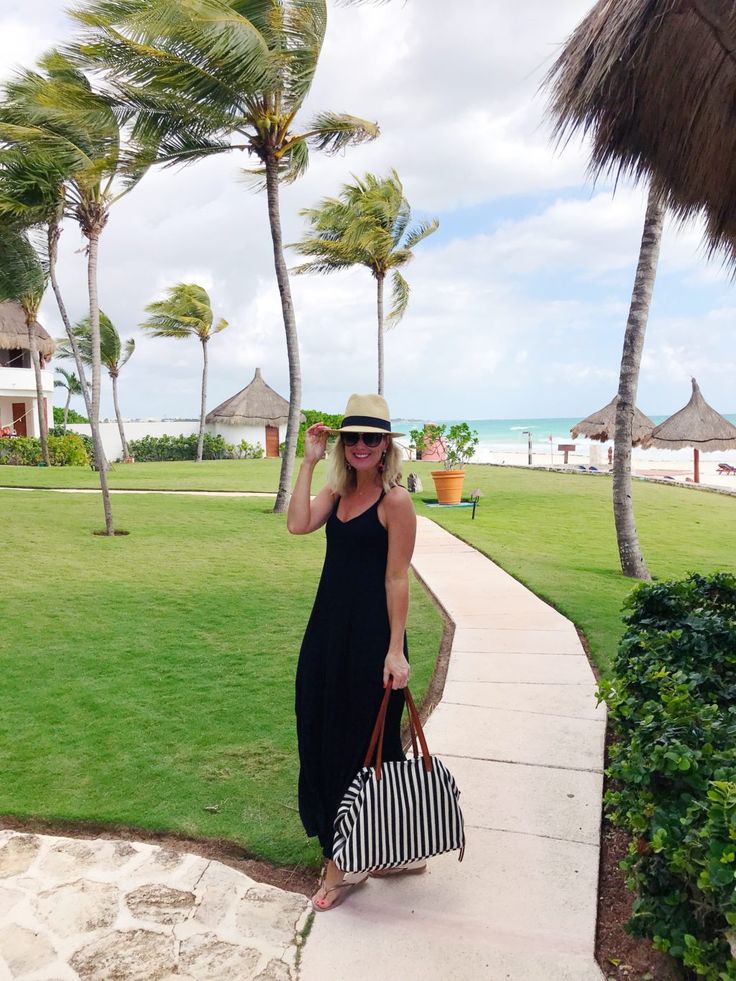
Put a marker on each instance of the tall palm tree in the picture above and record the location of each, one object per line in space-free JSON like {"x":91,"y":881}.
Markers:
{"x":212,"y":76}
{"x":366,"y":225}
{"x":23,"y":278}
{"x":55,"y":111}
{"x":71,"y":384}
{"x":32,"y":193}
{"x":186,"y":311}
{"x":114,"y":355}
{"x":629,"y":548}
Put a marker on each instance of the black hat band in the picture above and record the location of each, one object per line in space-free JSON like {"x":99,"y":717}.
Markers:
{"x":367,"y":421}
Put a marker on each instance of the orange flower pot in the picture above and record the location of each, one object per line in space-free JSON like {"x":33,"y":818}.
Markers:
{"x":449,"y":485}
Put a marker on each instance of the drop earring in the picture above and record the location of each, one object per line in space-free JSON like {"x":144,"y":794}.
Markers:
{"x":382,"y":463}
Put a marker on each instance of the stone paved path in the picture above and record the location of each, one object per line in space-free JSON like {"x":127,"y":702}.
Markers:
{"x":519,"y":729}
{"x":101,"y":910}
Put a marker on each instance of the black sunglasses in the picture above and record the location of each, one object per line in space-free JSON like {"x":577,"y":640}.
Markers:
{"x":371,"y":440}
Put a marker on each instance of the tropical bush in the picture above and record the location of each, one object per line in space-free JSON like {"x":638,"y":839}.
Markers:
{"x":458,"y":441}
{"x":66,"y":450}
{"x":248,"y":451}
{"x":72,"y":417}
{"x":672,"y":703}
{"x":86,"y":440}
{"x":152,"y":449}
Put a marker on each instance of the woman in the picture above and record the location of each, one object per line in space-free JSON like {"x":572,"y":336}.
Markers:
{"x":354,"y":644}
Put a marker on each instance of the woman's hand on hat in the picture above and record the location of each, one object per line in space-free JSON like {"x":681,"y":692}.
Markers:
{"x":395,"y":671}
{"x":315,"y":442}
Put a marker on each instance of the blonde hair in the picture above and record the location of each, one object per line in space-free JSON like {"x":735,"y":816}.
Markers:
{"x":341,"y":478}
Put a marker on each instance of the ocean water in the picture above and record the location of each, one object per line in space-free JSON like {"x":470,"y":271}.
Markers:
{"x":499,"y":436}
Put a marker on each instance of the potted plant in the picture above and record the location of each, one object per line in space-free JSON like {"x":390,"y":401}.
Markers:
{"x":459,"y":443}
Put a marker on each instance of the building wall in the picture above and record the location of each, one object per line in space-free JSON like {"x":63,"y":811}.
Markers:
{"x":167,"y":427}
{"x":19,"y":385}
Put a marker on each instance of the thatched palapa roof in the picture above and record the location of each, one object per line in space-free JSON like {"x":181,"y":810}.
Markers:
{"x":653,"y":84}
{"x":601,"y":425}
{"x":255,"y":405}
{"x":14,"y":332}
{"x":696,"y":425}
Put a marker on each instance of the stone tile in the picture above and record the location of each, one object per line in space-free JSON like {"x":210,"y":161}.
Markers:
{"x":578,"y":701}
{"x":533,"y":800}
{"x":537,"y":617}
{"x":206,"y":957}
{"x":520,"y":641}
{"x":540,"y":669}
{"x":9,"y":899}
{"x":24,"y":951}
{"x":160,"y":903}
{"x":270,"y":914}
{"x":79,"y":907}
{"x":518,"y":737}
{"x":18,"y":854}
{"x":66,"y":858}
{"x":275,"y":970}
{"x":126,"y":955}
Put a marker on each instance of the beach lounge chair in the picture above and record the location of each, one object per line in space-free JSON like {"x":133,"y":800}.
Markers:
{"x":727,"y":469}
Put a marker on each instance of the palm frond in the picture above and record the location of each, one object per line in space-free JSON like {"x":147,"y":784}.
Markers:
{"x":332,"y":131}
{"x":185,"y":311}
{"x":399,"y":299}
{"x":23,"y":276}
{"x":423,"y":230}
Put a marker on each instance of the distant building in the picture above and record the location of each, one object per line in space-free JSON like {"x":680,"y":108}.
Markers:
{"x":256,"y":414}
{"x":18,"y":410}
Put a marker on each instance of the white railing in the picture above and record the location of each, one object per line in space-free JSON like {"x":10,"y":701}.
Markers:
{"x":22,"y":381}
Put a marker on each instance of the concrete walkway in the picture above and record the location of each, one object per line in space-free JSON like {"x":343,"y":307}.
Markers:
{"x":519,"y":729}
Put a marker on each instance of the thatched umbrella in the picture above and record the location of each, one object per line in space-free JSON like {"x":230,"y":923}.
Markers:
{"x":652,"y":82}
{"x":14,"y":332}
{"x":697,"y":425}
{"x":600,"y":425}
{"x":255,"y":405}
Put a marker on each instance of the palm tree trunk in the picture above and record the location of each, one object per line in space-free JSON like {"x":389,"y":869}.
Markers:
{"x":292,"y":340}
{"x":94,"y":419}
{"x":379,"y":304}
{"x":632,"y":559}
{"x":121,"y":430}
{"x":54,"y":231}
{"x":66,"y":407}
{"x":36,"y":362}
{"x":203,"y":404}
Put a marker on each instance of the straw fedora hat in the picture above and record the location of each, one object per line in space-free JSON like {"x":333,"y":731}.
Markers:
{"x":366,"y":414}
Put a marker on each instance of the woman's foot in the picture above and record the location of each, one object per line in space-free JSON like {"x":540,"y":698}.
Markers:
{"x":334,"y":886}
{"x":411,"y":868}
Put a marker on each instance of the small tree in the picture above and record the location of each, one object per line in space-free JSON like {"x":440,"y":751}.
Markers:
{"x":368,"y":224}
{"x":68,"y":381}
{"x":186,"y":312}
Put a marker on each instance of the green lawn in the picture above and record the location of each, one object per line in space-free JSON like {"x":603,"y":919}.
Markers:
{"x":555,"y":533}
{"x":149,"y":677}
{"x":224,"y":475}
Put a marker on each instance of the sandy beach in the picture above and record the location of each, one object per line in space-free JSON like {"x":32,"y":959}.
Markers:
{"x":645,"y":463}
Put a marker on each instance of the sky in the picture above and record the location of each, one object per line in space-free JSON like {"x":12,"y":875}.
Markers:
{"x":518,"y":302}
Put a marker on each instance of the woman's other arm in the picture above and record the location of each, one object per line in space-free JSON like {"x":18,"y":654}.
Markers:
{"x":401,"y":524}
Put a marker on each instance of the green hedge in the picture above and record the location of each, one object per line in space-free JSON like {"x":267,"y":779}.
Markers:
{"x":152,"y":449}
{"x":73,"y":416}
{"x":672,"y":703}
{"x":312,"y":416}
{"x":65,"y":450}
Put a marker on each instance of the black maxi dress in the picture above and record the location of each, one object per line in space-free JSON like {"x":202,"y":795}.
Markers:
{"x":339,"y":678}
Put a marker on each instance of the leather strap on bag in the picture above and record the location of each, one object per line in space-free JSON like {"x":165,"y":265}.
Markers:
{"x":375,"y":745}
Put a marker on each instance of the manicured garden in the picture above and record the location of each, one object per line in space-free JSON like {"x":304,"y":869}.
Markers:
{"x":148,"y":680}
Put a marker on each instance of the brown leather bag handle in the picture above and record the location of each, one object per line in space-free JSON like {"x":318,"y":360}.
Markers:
{"x":415,"y":727}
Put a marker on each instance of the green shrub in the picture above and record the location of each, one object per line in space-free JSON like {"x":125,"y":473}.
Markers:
{"x":71,"y":417}
{"x":312,"y":416}
{"x":64,"y":451}
{"x":86,"y":440}
{"x":68,"y":451}
{"x":249,"y":451}
{"x":20,"y":451}
{"x":151,"y":449}
{"x":672,"y":702}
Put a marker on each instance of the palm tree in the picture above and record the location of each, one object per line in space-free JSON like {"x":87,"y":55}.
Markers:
{"x":212,"y":76}
{"x":114,"y":355}
{"x":54,"y":111}
{"x":68,"y":381}
{"x":186,"y":312}
{"x":366,"y":225}
{"x":32,"y":193}
{"x":629,"y":548}
{"x":23,"y":278}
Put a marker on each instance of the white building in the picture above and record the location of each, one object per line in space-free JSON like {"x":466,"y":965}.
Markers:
{"x":256,"y":414}
{"x":18,"y":409}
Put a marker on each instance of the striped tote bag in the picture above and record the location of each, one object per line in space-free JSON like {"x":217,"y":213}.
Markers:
{"x":398,"y":812}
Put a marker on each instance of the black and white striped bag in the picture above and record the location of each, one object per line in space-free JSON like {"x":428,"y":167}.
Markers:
{"x":398,"y":812}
